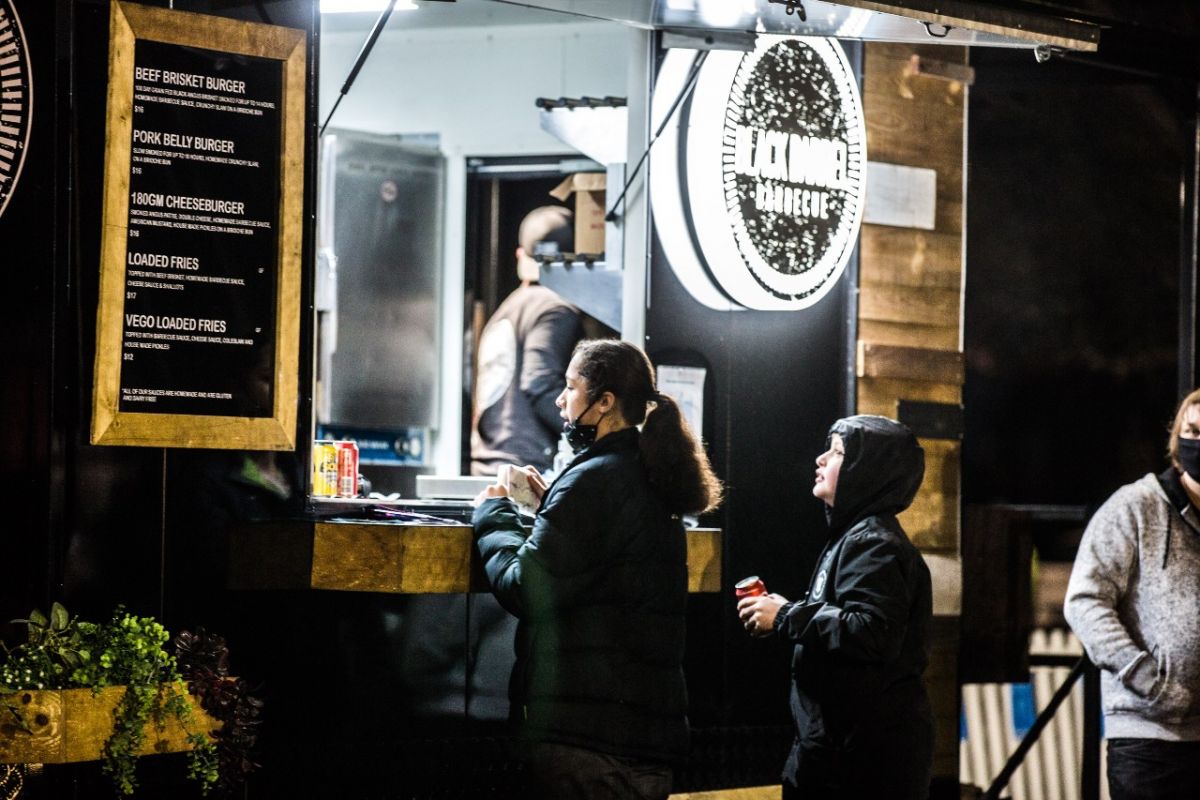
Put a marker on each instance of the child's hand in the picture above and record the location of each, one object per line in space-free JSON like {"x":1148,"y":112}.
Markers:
{"x":758,"y":613}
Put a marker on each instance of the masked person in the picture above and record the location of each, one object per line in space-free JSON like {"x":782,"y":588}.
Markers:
{"x":523,"y":352}
{"x":600,"y":584}
{"x":1134,"y":602}
{"x":863,"y":722}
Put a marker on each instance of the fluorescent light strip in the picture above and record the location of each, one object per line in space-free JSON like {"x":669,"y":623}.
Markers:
{"x":357,"y":6}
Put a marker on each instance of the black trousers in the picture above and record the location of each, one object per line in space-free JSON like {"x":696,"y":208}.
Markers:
{"x":1153,"y":769}
{"x":562,"y":772}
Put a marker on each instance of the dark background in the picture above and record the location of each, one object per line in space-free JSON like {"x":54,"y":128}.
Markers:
{"x":1072,"y":337}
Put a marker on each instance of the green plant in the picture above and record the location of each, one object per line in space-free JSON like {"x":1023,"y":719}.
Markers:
{"x":65,"y":653}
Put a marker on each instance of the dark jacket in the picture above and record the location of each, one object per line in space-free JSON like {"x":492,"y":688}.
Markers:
{"x":523,"y":353}
{"x":863,"y":723}
{"x":600,"y":589}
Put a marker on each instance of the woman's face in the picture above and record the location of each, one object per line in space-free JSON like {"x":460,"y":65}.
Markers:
{"x":573,"y":400}
{"x":1190,"y":429}
{"x":829,"y":465}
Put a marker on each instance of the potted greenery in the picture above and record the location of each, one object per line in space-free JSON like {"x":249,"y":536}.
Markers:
{"x":78,"y":690}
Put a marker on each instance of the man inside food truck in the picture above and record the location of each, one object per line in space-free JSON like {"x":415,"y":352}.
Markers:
{"x":523,"y":354}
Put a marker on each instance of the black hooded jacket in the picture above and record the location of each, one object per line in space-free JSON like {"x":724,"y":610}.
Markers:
{"x":863,"y":724}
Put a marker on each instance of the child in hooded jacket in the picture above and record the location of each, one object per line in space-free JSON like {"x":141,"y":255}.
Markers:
{"x":863,"y":722}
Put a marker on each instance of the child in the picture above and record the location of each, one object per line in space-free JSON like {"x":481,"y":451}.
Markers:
{"x":863,"y":722}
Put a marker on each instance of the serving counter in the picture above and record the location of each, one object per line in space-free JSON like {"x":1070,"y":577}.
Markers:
{"x":362,"y":555}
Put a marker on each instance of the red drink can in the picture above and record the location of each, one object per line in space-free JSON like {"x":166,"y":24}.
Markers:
{"x":347,"y":469}
{"x":749,"y":587}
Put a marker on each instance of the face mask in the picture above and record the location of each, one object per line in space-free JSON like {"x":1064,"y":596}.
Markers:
{"x":1189,"y":457}
{"x":580,"y":436}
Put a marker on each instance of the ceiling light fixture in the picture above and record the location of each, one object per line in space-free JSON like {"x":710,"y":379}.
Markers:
{"x":360,"y":6}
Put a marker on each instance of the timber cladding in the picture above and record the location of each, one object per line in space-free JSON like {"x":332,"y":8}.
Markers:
{"x":910,"y":309}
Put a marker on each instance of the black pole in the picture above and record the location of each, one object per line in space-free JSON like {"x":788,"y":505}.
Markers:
{"x":358,"y":62}
{"x":1189,"y":181}
{"x":1090,"y":779}
{"x":1031,"y":736}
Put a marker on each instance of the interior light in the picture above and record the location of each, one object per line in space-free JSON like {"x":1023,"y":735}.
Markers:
{"x":358,"y":6}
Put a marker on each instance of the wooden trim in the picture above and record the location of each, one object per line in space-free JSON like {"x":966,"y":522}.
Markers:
{"x":111,"y":426}
{"x":773,"y":792}
{"x":909,"y":363}
{"x":393,"y":558}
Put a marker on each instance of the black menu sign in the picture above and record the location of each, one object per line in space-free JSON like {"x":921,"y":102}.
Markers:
{"x":200,"y":262}
{"x":197,"y":321}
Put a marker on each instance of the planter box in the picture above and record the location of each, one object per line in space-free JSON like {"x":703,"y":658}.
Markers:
{"x":70,"y":725}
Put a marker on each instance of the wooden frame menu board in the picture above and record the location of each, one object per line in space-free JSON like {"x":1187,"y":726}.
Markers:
{"x":197,"y":330}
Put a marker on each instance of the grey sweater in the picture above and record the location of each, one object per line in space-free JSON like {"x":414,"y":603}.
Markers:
{"x":1134,"y":602}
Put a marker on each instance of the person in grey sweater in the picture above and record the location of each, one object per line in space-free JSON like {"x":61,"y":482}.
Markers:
{"x":1134,"y":602}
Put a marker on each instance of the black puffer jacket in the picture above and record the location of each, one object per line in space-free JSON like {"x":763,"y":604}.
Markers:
{"x":600,"y":588}
{"x":863,"y":723}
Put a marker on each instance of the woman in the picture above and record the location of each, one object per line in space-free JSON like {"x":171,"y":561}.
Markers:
{"x":600,"y":585}
{"x":863,"y":722}
{"x":1133,"y":601}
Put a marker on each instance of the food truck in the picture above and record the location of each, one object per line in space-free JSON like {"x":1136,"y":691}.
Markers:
{"x":260,"y":241}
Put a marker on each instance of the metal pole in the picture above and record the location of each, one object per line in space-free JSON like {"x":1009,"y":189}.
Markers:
{"x":358,"y":62}
{"x":1090,"y":779}
{"x":1189,"y":183}
{"x":1043,"y":719}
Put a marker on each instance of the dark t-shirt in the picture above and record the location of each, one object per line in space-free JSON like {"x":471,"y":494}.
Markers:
{"x":523,"y":357}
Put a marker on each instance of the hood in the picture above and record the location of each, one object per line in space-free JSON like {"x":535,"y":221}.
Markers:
{"x":881,"y":471}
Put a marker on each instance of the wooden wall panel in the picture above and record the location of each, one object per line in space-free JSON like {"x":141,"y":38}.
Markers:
{"x":879,"y":395}
{"x":909,"y":314}
{"x":918,"y":306}
{"x":944,"y":337}
{"x":911,"y":257}
{"x":932,"y":521}
{"x":935,"y":365}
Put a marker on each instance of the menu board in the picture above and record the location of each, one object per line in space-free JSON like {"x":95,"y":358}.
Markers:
{"x":200,"y":268}
{"x":197,"y":323}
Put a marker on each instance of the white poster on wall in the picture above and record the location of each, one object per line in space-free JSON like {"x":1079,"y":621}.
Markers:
{"x":686,"y":385}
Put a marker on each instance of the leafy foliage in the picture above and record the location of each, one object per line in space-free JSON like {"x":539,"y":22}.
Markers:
{"x":65,"y":653}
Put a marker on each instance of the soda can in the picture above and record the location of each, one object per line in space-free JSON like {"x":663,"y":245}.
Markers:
{"x":347,"y":469}
{"x":324,"y":468}
{"x":749,"y":587}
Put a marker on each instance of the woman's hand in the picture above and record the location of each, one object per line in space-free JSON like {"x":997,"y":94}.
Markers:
{"x":495,"y":490}
{"x":537,"y":484}
{"x":758,"y":613}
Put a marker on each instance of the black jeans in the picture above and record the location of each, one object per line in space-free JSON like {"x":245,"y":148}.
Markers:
{"x":1153,"y":769}
{"x":561,"y":772}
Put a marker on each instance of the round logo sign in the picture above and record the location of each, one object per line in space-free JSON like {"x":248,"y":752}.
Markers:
{"x":774,"y":158}
{"x":16,"y":90}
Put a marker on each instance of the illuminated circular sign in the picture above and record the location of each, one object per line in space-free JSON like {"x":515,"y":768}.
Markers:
{"x":773,"y":157}
{"x":16,"y":100}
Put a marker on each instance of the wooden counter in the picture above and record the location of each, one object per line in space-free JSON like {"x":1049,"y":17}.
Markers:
{"x":396,"y":558}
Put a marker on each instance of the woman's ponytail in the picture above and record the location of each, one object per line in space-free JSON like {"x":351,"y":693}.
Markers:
{"x":675,"y":460}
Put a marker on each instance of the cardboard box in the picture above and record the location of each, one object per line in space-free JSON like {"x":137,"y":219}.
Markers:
{"x":588,"y":188}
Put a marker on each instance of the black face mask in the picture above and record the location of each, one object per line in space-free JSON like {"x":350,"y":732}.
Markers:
{"x":1189,"y":456}
{"x":580,"y":436}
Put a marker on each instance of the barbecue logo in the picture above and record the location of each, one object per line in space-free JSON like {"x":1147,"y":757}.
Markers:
{"x":775,"y":155}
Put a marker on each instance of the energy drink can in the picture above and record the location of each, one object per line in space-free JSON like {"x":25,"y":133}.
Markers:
{"x":324,"y":469}
{"x":749,"y":587}
{"x":347,"y":469}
